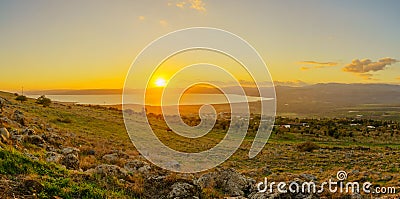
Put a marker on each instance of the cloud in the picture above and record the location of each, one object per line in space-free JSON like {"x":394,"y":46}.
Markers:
{"x":366,"y":65}
{"x":316,"y":65}
{"x":180,"y":4}
{"x":366,"y":76}
{"x":198,"y":5}
{"x":141,"y":18}
{"x":163,"y":23}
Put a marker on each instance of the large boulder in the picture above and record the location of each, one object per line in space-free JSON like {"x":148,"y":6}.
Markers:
{"x":71,"y":161}
{"x":229,"y":181}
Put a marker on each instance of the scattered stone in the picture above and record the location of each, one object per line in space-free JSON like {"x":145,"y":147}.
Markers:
{"x":54,"y":157}
{"x":70,"y":150}
{"x":4,"y":133}
{"x":182,"y":190}
{"x":112,"y":158}
{"x":71,"y":161}
{"x":386,"y":178}
{"x":356,"y":196}
{"x":34,"y":139}
{"x":29,"y":131}
{"x":137,"y":166}
{"x":17,"y":138}
{"x":53,"y":139}
{"x":19,"y":117}
{"x":109,"y":170}
{"x":5,"y":120}
{"x":91,"y":152}
{"x":355,"y":172}
{"x":309,"y":177}
{"x":31,"y":156}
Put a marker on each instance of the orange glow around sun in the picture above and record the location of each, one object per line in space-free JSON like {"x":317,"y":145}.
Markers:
{"x":160,"y":82}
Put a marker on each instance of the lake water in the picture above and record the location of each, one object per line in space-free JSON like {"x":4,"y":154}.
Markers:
{"x":188,"y":99}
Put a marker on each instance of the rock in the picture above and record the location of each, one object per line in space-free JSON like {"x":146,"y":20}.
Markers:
{"x":386,"y":178}
{"x":54,"y":157}
{"x":5,"y":120}
{"x":71,"y":161}
{"x":32,"y":157}
{"x":309,"y":177}
{"x":91,"y":152}
{"x":109,"y":170}
{"x":356,"y":196}
{"x":112,"y":158}
{"x":182,"y":190}
{"x":29,"y":131}
{"x":70,"y":150}
{"x":19,"y":117}
{"x":53,"y":139}
{"x":18,"y":138}
{"x":34,"y":139}
{"x":4,"y":132}
{"x":355,"y":172}
{"x":229,"y":181}
{"x":137,"y":166}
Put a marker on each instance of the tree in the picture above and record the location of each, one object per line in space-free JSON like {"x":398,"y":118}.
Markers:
{"x":21,"y":98}
{"x":43,"y":100}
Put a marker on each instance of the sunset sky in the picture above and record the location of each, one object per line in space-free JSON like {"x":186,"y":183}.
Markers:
{"x":48,"y":44}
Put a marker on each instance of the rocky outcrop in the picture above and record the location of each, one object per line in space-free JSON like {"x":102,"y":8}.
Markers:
{"x":229,"y":181}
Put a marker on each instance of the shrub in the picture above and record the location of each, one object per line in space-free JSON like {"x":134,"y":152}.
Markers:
{"x":21,"y":98}
{"x":307,"y":147}
{"x":43,"y":100}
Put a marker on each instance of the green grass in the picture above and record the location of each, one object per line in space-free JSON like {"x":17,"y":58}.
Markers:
{"x":56,"y":180}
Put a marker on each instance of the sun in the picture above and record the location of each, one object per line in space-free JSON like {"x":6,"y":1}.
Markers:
{"x":160,"y":82}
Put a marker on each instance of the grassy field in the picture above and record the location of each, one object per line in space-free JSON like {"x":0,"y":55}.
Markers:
{"x":374,"y":155}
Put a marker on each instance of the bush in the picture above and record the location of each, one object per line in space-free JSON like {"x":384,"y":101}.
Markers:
{"x":43,"y":100}
{"x":21,"y":98}
{"x":307,"y":147}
